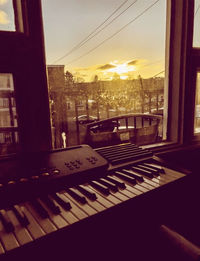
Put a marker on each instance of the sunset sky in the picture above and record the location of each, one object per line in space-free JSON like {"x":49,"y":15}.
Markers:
{"x":138,"y":49}
{"x":130,"y":42}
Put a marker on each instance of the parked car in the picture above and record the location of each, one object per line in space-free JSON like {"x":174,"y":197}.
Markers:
{"x":84,"y":119}
{"x":104,"y":126}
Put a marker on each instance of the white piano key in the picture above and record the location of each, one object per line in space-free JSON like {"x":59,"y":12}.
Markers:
{"x":120,"y":196}
{"x":109,"y":197}
{"x":33,"y":227}
{"x":145,"y":185}
{"x":131,"y":189}
{"x":140,"y":188}
{"x":8,"y":239}
{"x":78,"y":212}
{"x":85,"y":207}
{"x":127,"y":193}
{"x":45,"y":223}
{"x":57,"y":220}
{"x":67,"y":214}
{"x":21,"y":233}
{"x":93,"y":203}
{"x":152,"y":183}
{"x":100,"y":199}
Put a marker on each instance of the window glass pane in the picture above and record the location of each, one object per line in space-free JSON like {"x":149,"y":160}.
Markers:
{"x":7,"y":22}
{"x":8,"y":116}
{"x":197,"y":106}
{"x":105,"y":59}
{"x":196,"y":33}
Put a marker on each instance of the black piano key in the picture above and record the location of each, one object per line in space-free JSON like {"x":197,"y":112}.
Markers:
{"x":137,"y":176}
{"x":50,"y":204}
{"x":22,"y":218}
{"x":159,"y":168}
{"x":63,"y":203}
{"x":154,"y":171}
{"x":6,"y":222}
{"x":102,"y":188}
{"x":125,"y":177}
{"x":142,"y":171}
{"x":113,"y":187}
{"x":90,"y":195}
{"x":120,"y":184}
{"x":75,"y":195}
{"x":39,"y":208}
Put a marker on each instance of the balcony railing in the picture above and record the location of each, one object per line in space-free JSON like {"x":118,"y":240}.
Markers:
{"x":139,"y":129}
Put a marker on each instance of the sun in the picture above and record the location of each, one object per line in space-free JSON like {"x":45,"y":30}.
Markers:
{"x":122,"y":68}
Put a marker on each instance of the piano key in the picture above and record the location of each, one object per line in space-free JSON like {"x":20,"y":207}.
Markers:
{"x":142,"y":171}
{"x":133,"y":174}
{"x":79,"y":213}
{"x":113,"y":187}
{"x":76,"y":195}
{"x":45,"y":223}
{"x":140,"y":188}
{"x":109,"y":197}
{"x":23,"y":220}
{"x":93,"y":203}
{"x":85,"y":207}
{"x":49,"y":203}
{"x":67,"y":214}
{"x":8,"y":240}
{"x":154,"y":166}
{"x":55,"y":218}
{"x":151,"y":182}
{"x":6,"y":222}
{"x":121,"y":196}
{"x":106,"y":203}
{"x":99,"y":187}
{"x":120,"y":184}
{"x":61,"y":201}
{"x":21,"y":233}
{"x":96,"y":205}
{"x":39,"y":208}
{"x":154,"y":171}
{"x":84,"y":190}
{"x":125,"y":177}
{"x":147,"y":186}
{"x":33,"y":227}
{"x":131,"y":189}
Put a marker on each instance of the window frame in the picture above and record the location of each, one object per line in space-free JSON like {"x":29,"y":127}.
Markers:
{"x":34,"y":119}
{"x":21,"y":54}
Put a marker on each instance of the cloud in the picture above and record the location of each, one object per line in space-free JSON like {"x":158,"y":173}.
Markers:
{"x":2,"y":2}
{"x":106,"y":67}
{"x":4,"y":18}
{"x":134,"y":62}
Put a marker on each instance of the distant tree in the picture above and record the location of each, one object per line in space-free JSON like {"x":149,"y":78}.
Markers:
{"x":69,"y":78}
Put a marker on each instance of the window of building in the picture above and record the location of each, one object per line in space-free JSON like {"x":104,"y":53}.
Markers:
{"x":8,"y":123}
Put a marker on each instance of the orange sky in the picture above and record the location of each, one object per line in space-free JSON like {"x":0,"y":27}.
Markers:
{"x":138,"y":49}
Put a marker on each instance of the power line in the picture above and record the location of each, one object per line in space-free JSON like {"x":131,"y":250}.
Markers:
{"x":197,"y":10}
{"x":105,"y":26}
{"x":158,"y":74}
{"x":122,"y":28}
{"x":90,"y":35}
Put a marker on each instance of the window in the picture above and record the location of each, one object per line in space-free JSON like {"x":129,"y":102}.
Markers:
{"x":22,"y":56}
{"x":111,"y":64}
